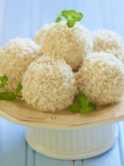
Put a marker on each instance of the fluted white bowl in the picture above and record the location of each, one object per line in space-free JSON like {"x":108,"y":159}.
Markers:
{"x":72,"y":143}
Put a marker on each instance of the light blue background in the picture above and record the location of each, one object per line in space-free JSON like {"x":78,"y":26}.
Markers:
{"x":23,"y":18}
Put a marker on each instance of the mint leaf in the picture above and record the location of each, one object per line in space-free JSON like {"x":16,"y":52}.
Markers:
{"x":71,"y":17}
{"x":78,"y":16}
{"x":82,"y":99}
{"x":82,"y":104}
{"x":72,"y":13}
{"x":92,"y":105}
{"x":3,"y":81}
{"x":87,"y":107}
{"x":18,"y":89}
{"x":74,"y":108}
{"x":70,"y":23}
{"x":58,"y":19}
{"x":7,"y":96}
{"x":65,"y":13}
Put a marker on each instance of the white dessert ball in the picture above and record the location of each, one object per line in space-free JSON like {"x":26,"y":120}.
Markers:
{"x":38,"y":37}
{"x":49,"y":84}
{"x":60,"y":41}
{"x":101,"y":78}
{"x":39,"y":34}
{"x":108,"y":41}
{"x":14,"y":59}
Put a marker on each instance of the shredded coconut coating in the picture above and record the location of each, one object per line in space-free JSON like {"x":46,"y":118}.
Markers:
{"x":108,"y":41}
{"x":101,"y":78}
{"x":59,"y":41}
{"x":39,"y":34}
{"x":38,"y":37}
{"x":14,"y":59}
{"x":49,"y":84}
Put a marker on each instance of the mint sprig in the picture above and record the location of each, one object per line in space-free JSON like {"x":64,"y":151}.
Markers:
{"x":3,"y":81}
{"x":58,"y":19}
{"x":18,"y":89}
{"x":82,"y":104}
{"x":8,"y":95}
{"x":71,"y":17}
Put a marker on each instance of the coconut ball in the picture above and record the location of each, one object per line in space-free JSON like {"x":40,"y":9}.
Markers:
{"x":49,"y":84}
{"x":39,"y":34}
{"x":60,"y":41}
{"x":14,"y":59}
{"x":101,"y":78}
{"x":38,"y":37}
{"x":108,"y":41}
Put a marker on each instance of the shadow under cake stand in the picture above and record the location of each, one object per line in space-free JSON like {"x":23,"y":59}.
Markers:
{"x":66,"y":135}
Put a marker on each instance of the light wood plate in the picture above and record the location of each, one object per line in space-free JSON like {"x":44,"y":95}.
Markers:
{"x":19,"y":112}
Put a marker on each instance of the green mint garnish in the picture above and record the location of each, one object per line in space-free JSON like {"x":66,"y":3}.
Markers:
{"x":6,"y":95}
{"x":3,"y":81}
{"x":78,"y":16}
{"x":18,"y":89}
{"x":71,"y":23}
{"x":82,"y":104}
{"x":58,"y":19}
{"x":71,"y":16}
{"x":74,"y":108}
{"x":82,"y":99}
{"x":64,"y":14}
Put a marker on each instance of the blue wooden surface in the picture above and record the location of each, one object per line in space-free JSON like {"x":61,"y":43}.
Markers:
{"x":23,"y":18}
{"x":14,"y":151}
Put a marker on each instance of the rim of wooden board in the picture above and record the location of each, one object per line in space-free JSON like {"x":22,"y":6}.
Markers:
{"x":20,"y":113}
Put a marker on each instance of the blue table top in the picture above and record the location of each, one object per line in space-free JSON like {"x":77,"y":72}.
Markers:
{"x":14,"y":150}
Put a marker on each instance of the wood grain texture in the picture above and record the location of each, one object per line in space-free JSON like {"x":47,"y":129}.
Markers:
{"x":23,"y":114}
{"x":45,"y":161}
{"x":12,"y":144}
{"x":14,"y":151}
{"x":110,"y":158}
{"x":31,"y":157}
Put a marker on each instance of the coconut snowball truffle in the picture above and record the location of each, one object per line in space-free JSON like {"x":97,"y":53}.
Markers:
{"x":101,"y":78}
{"x":49,"y":84}
{"x":39,"y":34}
{"x":60,"y":41}
{"x":38,"y":37}
{"x":108,"y":41}
{"x":14,"y":59}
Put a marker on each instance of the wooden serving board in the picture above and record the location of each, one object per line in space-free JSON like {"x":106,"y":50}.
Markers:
{"x":19,"y":112}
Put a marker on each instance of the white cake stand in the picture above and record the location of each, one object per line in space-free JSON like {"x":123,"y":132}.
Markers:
{"x":66,"y":135}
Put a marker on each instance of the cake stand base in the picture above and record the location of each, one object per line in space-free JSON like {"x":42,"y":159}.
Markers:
{"x":72,"y":144}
